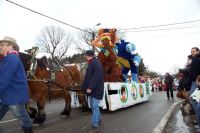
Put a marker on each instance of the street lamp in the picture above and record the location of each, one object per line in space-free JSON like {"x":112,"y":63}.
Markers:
{"x":93,"y":35}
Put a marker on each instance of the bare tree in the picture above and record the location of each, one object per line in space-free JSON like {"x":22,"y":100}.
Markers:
{"x":87,"y":36}
{"x":174,"y":69}
{"x":54,"y":41}
{"x":84,"y":40}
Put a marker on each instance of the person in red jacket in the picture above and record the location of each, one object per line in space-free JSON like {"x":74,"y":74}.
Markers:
{"x":164,"y":87}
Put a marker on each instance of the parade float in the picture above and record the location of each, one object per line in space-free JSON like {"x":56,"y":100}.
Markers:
{"x":119,"y":95}
{"x":118,"y":59}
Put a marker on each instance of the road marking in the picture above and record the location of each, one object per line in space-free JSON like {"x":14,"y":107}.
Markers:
{"x":84,"y":127}
{"x":8,"y":121}
{"x":11,"y":120}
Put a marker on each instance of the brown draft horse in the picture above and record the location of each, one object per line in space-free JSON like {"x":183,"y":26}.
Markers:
{"x":41,"y":86}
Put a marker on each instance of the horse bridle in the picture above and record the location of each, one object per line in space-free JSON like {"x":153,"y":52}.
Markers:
{"x":33,"y":62}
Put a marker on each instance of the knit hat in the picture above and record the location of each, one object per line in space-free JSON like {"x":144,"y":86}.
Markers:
{"x":89,"y":53}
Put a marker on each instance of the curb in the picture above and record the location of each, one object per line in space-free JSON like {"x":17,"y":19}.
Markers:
{"x":161,"y":125}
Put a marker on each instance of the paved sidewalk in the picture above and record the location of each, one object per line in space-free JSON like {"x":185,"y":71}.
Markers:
{"x":177,"y":123}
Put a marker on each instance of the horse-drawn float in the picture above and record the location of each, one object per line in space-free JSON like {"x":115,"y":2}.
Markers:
{"x":48,"y":80}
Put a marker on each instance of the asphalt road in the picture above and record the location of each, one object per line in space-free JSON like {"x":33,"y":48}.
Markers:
{"x":140,"y":118}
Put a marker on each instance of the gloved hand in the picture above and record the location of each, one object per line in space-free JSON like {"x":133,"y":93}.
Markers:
{"x":136,"y":63}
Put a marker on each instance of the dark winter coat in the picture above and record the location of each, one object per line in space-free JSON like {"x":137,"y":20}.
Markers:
{"x":94,"y":79}
{"x":169,"y":82}
{"x":194,"y":69}
{"x":184,"y":81}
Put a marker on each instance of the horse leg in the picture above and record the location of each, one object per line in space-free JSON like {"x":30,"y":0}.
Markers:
{"x":41,"y":116}
{"x":31,"y":111}
{"x":67,"y":108}
{"x":83,"y":102}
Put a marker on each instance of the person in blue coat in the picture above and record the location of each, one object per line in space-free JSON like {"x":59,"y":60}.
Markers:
{"x":93,"y":85}
{"x":13,"y":84}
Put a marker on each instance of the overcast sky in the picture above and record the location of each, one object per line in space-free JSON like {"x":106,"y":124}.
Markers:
{"x":161,"y":50}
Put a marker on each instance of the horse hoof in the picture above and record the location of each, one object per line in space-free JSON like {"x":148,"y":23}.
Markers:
{"x":65,"y":113}
{"x":35,"y":122}
{"x":62,"y":113}
{"x":84,"y":113}
{"x":32,"y":112}
{"x":39,"y":119}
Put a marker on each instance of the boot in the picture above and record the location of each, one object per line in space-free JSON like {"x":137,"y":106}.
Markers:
{"x":28,"y":130}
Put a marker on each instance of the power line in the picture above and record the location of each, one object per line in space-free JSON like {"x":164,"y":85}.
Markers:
{"x":161,"y":25}
{"x":175,"y":28}
{"x":168,"y":35}
{"x":48,"y":16}
{"x":123,"y":30}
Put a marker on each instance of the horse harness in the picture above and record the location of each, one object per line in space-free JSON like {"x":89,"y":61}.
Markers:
{"x":53,"y":67}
